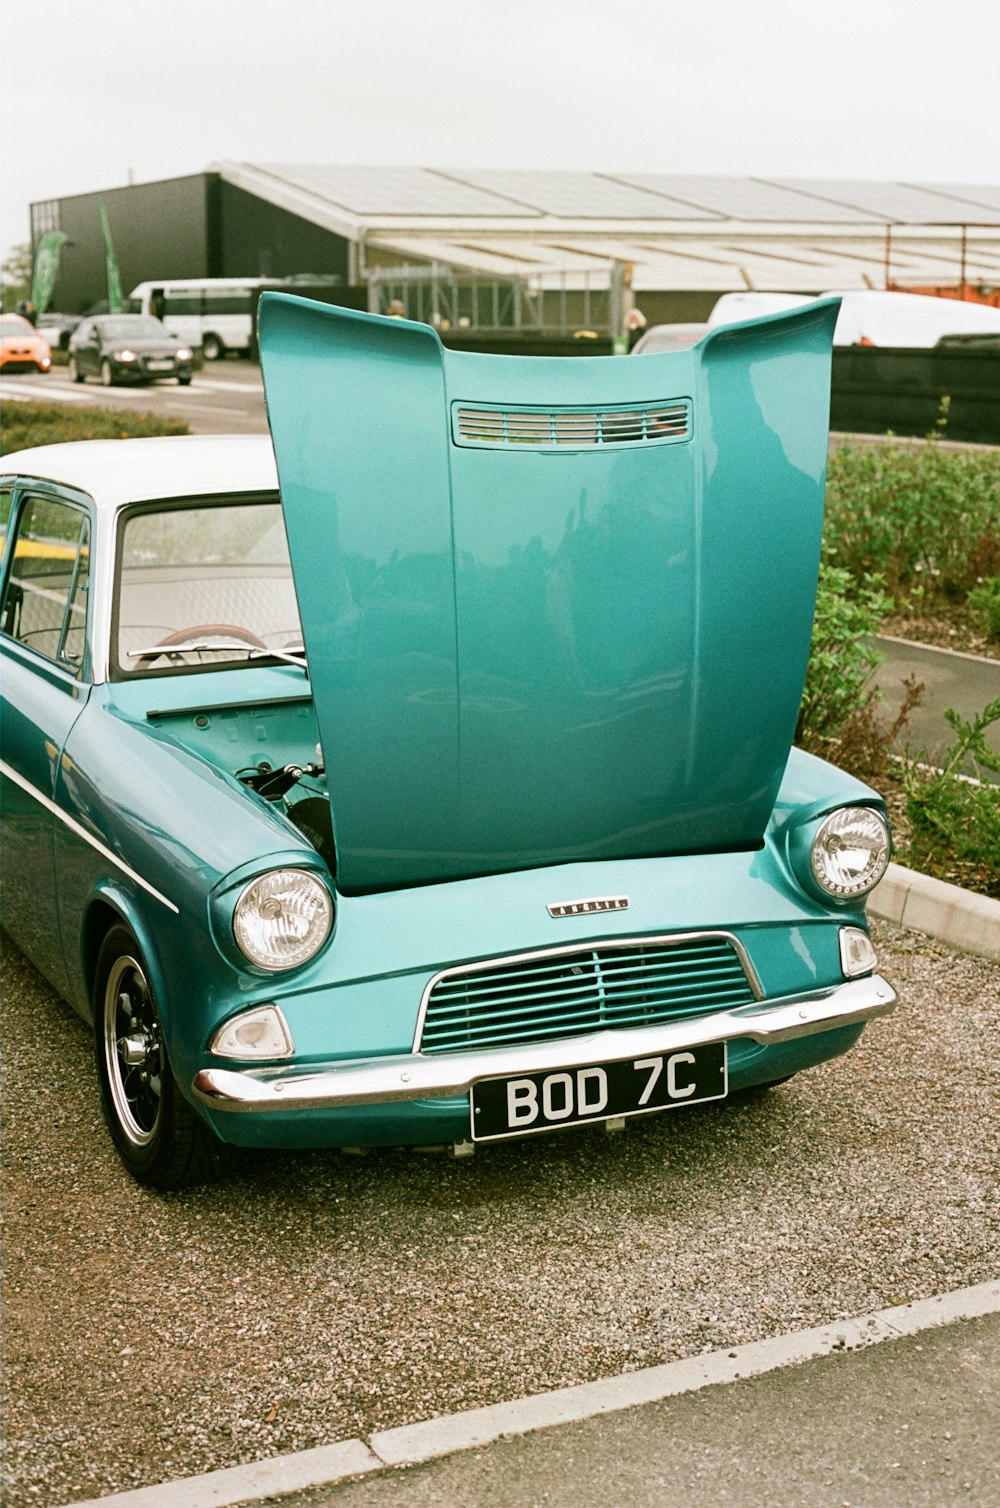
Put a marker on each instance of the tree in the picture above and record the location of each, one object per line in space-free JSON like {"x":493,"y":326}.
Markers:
{"x":15,"y":276}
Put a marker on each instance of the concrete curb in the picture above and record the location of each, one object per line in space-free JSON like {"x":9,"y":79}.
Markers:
{"x":431,"y":1438}
{"x":961,"y":918}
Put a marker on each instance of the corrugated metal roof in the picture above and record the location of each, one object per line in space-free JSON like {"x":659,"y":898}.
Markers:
{"x":575,"y":195}
{"x":743,"y":198}
{"x":369,"y":193}
{"x":980,"y":195}
{"x":678,"y":232}
{"x":902,"y":203}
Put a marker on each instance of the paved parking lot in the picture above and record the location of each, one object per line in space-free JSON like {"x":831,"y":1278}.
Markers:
{"x":225,"y":397}
{"x":321,"y":1297}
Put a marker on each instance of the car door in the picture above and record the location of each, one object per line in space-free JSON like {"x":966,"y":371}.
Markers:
{"x":91,"y":350}
{"x":45,"y":664}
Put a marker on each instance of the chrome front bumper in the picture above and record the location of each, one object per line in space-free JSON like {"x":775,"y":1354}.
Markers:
{"x":373,"y":1081}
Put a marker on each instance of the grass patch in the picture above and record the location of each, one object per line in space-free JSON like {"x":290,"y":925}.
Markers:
{"x":23,"y":425}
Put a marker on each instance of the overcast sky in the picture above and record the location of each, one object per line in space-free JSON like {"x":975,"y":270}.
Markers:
{"x":98,"y":92}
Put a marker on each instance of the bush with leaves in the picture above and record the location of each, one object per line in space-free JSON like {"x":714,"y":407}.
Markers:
{"x":842,"y":655}
{"x":950,"y":813}
{"x":984,"y":604}
{"x":925,"y":517}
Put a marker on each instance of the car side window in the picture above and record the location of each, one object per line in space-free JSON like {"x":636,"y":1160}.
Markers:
{"x":5,"y":502}
{"x":45,"y":601}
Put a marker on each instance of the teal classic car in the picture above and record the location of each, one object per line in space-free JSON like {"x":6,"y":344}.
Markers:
{"x":436,"y":785}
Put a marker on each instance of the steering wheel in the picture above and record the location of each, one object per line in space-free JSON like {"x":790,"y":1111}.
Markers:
{"x":198,"y":634}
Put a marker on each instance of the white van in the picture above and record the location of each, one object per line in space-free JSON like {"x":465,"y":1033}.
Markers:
{"x":869,"y":317}
{"x":213,"y":313}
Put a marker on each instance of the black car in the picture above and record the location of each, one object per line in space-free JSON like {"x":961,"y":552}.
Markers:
{"x":128,"y":348}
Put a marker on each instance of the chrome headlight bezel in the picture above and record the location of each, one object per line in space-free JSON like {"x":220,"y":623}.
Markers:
{"x":282,"y":919}
{"x":850,"y":852}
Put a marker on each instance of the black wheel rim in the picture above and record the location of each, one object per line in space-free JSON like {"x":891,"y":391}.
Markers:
{"x":133,"y":1051}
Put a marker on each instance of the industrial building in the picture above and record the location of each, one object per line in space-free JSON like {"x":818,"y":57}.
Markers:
{"x":528,"y":250}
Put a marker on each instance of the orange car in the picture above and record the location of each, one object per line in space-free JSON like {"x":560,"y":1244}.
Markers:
{"x":21,"y":345}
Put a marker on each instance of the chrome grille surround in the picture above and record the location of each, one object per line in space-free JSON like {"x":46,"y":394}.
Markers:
{"x":496,"y":426}
{"x":563,"y":992}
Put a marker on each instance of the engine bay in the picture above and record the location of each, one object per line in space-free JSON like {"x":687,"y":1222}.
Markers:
{"x":272,"y":748}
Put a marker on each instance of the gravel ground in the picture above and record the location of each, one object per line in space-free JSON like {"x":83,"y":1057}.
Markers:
{"x":321,"y":1296}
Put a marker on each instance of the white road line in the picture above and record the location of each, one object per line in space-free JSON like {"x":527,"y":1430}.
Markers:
{"x":213,"y":385}
{"x":413,"y":1443}
{"x":24,"y":393}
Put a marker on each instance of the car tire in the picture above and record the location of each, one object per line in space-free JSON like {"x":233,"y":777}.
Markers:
{"x":184,"y":381}
{"x":158,"y":1136}
{"x":107,"y":376}
{"x":212,"y":348}
{"x":74,"y":370}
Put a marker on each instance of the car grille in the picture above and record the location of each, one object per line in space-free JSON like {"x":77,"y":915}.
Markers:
{"x":568,"y":428}
{"x":539,"y":997}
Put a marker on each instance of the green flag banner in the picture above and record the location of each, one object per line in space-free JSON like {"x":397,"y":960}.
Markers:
{"x":46,"y":268}
{"x":116,"y":302}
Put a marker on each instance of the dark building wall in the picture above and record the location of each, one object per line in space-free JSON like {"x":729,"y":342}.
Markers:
{"x":675,"y":306}
{"x":255,"y":238}
{"x":185,"y":228}
{"x":158,"y":230}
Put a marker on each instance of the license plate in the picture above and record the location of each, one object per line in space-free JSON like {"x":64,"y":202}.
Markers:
{"x":528,"y":1102}
{"x":160,"y":366}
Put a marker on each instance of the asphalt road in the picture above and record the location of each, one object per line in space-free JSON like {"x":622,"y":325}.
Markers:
{"x":225,"y":397}
{"x":320,"y":1297}
{"x":910,"y":1422}
{"x":965,"y":683}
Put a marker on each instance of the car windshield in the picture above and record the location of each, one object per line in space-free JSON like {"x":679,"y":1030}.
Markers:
{"x":134,"y":327}
{"x":203,"y":584}
{"x":13,"y":324}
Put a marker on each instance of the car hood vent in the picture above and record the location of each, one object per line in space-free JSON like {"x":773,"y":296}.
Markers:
{"x":571,"y":428}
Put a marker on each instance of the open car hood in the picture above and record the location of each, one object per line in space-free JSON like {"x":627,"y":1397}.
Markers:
{"x":554,"y":609}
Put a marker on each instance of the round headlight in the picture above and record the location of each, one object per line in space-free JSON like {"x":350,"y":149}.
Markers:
{"x":283,"y":918}
{"x":850,"y":851}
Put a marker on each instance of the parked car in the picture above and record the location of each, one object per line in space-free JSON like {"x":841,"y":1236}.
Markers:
{"x":871,"y":317}
{"x":21,"y":345}
{"x":57,"y":328}
{"x":128,"y":348}
{"x":668,"y":338}
{"x":449,"y":798}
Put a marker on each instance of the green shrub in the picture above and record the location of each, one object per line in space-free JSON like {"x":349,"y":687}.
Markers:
{"x":950,"y":814}
{"x":925,"y":518}
{"x":842,"y":655}
{"x":984,"y":603}
{"x":25,"y":424}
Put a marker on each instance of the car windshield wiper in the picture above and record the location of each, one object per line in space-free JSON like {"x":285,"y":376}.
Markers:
{"x":220,"y":646}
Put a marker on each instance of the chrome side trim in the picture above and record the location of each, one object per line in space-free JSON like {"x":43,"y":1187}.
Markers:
{"x":81,"y":832}
{"x":588,"y":944}
{"x":373,"y":1081}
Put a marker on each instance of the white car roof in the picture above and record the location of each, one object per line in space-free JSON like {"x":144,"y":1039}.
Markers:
{"x":114,"y":472}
